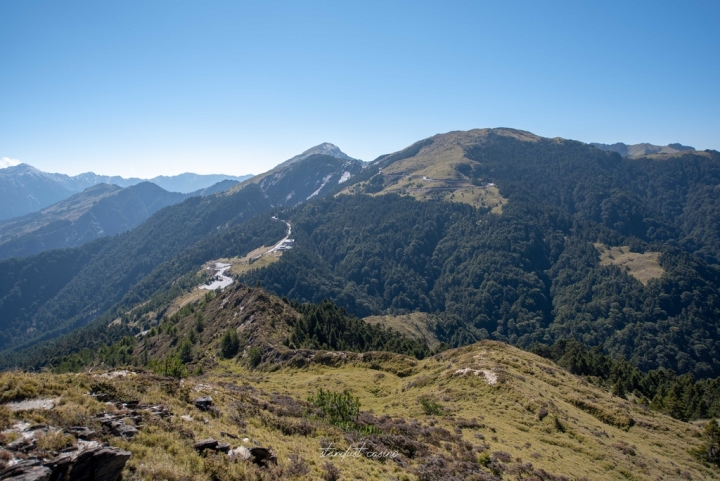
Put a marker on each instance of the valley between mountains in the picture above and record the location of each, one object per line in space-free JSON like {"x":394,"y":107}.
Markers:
{"x":487,"y":304}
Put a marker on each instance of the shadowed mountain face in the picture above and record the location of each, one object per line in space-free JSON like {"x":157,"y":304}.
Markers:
{"x":99,"y":211}
{"x":636,"y":150}
{"x":59,"y":290}
{"x":312,"y":177}
{"x":325,"y":148}
{"x":25,"y":189}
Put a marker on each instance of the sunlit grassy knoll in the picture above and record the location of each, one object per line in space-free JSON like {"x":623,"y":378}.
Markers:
{"x":596,"y":435}
{"x":256,"y":259}
{"x":643,"y":267}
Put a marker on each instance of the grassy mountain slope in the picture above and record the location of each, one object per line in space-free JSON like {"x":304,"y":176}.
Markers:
{"x":484,"y":411}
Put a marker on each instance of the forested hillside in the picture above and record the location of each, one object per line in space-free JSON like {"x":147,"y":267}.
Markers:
{"x":33,"y":307}
{"x":532,"y":274}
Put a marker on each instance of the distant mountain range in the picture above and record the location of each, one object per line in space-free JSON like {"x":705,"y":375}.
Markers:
{"x":98,"y":211}
{"x":636,"y":150}
{"x":25,"y":189}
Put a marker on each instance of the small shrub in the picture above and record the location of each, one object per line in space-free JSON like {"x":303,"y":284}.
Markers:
{"x":254,"y":356}
{"x":55,"y":440}
{"x":710,"y":450}
{"x":230,"y":344}
{"x":542,"y":413}
{"x":171,"y":366}
{"x":338,"y":408}
{"x":430,"y":407}
{"x":185,"y":350}
{"x":502,"y":456}
{"x":297,"y":467}
{"x":330,"y":472}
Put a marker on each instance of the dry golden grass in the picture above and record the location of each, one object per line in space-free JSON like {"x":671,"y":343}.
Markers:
{"x":414,"y":325}
{"x":642,"y":267}
{"x":595,"y":425}
{"x":432,"y":173}
{"x":536,"y":413}
{"x":256,"y":259}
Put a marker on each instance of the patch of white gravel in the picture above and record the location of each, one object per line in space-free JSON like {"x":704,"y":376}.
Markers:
{"x":116,"y":374}
{"x":490,"y":376}
{"x":30,"y":404}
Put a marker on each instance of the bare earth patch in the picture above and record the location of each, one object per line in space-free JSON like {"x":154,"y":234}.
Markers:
{"x":642,"y":267}
{"x":30,"y":404}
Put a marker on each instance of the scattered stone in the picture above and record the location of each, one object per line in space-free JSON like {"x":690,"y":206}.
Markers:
{"x":83,"y":461}
{"x":101,"y":464}
{"x":22,"y":445}
{"x":100,"y":396}
{"x":222,"y":447}
{"x":121,"y":429}
{"x":27,"y":470}
{"x":204,"y":444}
{"x":188,"y":418}
{"x":262,"y":457}
{"x":160,"y":410}
{"x":81,"y":432}
{"x":241,"y":453}
{"x":203,"y":403}
{"x":116,"y":374}
{"x":231,"y":436}
{"x":490,"y":376}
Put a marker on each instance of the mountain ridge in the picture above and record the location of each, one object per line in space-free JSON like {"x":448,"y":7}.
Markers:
{"x":25,"y":189}
{"x":637,"y":150}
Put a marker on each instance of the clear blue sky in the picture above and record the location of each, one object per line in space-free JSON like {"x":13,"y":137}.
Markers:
{"x":142,"y":88}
